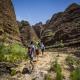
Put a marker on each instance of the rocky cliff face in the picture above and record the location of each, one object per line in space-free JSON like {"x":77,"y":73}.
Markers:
{"x":9,"y":31}
{"x":27,"y":33}
{"x":64,"y":27}
{"x":38,"y":29}
{"x":24,"y":28}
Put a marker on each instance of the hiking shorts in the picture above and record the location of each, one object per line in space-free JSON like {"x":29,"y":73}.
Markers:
{"x":42,"y":50}
{"x":31,"y":57}
{"x":37,"y":52}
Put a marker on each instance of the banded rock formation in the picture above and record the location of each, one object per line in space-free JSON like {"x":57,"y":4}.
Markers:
{"x":9,"y":31}
{"x":27,"y":32}
{"x":63,"y":27}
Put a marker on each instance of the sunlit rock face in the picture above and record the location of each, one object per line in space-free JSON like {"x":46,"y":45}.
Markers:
{"x":37,"y":28}
{"x":63,"y":27}
{"x":24,"y":28}
{"x":9,"y":31}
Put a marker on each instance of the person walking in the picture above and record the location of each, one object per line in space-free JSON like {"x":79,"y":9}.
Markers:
{"x":37,"y":50}
{"x":31,"y":51}
{"x":42,"y":47}
{"x":32,"y":46}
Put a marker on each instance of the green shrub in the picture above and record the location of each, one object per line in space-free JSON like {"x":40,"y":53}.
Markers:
{"x":12,"y":52}
{"x":61,"y":45}
{"x":57,"y":68}
{"x":13,"y":72}
{"x":1,"y":57}
{"x":72,"y":60}
{"x":58,"y":71}
{"x":59,"y":75}
{"x":75,"y":75}
{"x":47,"y":77}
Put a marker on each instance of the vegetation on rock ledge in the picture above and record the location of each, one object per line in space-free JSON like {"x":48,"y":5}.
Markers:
{"x":12,"y":53}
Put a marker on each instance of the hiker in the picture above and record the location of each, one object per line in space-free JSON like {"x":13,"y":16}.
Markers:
{"x":30,"y":57}
{"x":32,"y":46}
{"x":37,"y":50}
{"x":42,"y":47}
{"x":31,"y":51}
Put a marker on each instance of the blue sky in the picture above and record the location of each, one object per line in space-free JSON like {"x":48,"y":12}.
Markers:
{"x":35,"y":11}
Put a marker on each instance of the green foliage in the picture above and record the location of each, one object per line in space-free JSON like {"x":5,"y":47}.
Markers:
{"x":57,"y":68}
{"x":13,"y":72}
{"x":50,"y":33}
{"x":61,"y":44}
{"x":12,"y":53}
{"x":75,"y":75}
{"x":47,"y":77}
{"x":25,"y":23}
{"x":59,"y":75}
{"x":58,"y":71}
{"x":72,"y":60}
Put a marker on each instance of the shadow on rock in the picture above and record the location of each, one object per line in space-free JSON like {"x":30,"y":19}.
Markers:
{"x":26,"y":71}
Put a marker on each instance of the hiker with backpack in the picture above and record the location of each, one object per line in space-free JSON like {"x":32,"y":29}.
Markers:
{"x":37,"y":50}
{"x":32,"y":46}
{"x":31,"y":52}
{"x":42,"y":47}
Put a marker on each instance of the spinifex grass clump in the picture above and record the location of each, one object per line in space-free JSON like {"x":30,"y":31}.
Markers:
{"x":12,"y":53}
{"x":58,"y":71}
{"x":13,"y":72}
{"x":47,"y":77}
{"x":71,"y":60}
{"x":57,"y":68}
{"x":75,"y":74}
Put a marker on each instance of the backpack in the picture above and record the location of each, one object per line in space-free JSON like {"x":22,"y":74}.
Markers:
{"x":32,"y":49}
{"x":42,"y":46}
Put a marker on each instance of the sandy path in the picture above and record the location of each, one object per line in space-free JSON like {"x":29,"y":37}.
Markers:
{"x":42,"y":66}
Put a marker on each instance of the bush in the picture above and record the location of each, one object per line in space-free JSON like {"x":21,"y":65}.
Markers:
{"x":72,"y":60}
{"x":59,"y":75}
{"x":58,"y":71}
{"x":12,"y":52}
{"x":13,"y":72}
{"x":47,"y":77}
{"x":75,"y":75}
{"x":61,"y":45}
{"x":57,"y":68}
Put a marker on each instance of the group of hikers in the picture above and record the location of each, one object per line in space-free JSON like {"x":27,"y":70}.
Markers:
{"x":35,"y":49}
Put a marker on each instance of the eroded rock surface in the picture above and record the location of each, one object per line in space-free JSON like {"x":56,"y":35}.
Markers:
{"x":63,"y":27}
{"x":27,"y":32}
{"x":9,"y":31}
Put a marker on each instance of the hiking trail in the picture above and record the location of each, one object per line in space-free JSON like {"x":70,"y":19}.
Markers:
{"x":42,"y":65}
